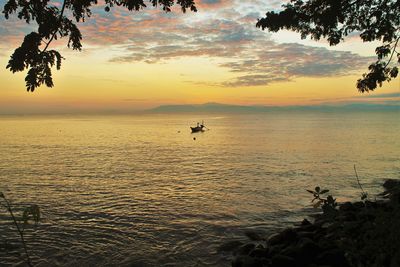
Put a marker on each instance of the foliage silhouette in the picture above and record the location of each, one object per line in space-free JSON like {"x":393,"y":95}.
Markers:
{"x":53,"y":24}
{"x":373,"y":20}
{"x":31,"y":212}
{"x":327,"y":204}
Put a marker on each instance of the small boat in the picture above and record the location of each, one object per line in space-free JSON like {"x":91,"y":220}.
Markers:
{"x":198,"y":128}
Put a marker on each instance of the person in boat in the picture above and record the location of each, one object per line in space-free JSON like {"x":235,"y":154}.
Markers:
{"x":198,"y":124}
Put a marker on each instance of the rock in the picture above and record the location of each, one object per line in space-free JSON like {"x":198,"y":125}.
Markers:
{"x":395,"y":196}
{"x":245,"y":249}
{"x":371,"y":204}
{"x":326,"y":243}
{"x":308,"y":247}
{"x":276,"y":249}
{"x":305,"y":222}
{"x":363,"y":233}
{"x":282,"y":261}
{"x":368,"y":216}
{"x":310,"y":235}
{"x":230,"y":246}
{"x":391,"y":184}
{"x":286,"y":236}
{"x":334,"y":227}
{"x":137,"y":264}
{"x":333,"y":257}
{"x":358,"y":205}
{"x":254,"y":236}
{"x":306,"y":251}
{"x":320,"y":234}
{"x":290,"y":251}
{"x":308,"y":228}
{"x":351,"y":228}
{"x":247,"y":261}
{"x":347,"y":206}
{"x":274,"y":239}
{"x":347,"y":216}
{"x":393,"y":192}
{"x":395,"y":260}
{"x":320,"y":221}
{"x":260,"y":246}
{"x":327,"y":224}
{"x":259,"y":253}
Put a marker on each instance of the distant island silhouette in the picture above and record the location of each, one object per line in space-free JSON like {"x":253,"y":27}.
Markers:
{"x":211,"y":107}
{"x":227,"y":108}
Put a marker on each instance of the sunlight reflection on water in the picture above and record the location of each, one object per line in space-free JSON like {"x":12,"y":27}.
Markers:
{"x":123,"y":190}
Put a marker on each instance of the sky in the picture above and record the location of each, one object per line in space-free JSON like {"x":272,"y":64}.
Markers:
{"x":139,"y":60}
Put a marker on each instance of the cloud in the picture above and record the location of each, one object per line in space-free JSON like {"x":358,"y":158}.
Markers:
{"x":12,"y":32}
{"x":222,"y":29}
{"x":284,"y":62}
{"x":371,"y":98}
{"x":219,"y":38}
{"x":230,"y":34}
{"x":213,"y":4}
{"x":386,"y":95}
{"x":254,"y":80}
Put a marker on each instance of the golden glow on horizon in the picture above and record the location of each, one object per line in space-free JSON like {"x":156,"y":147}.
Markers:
{"x":88,"y":81}
{"x":196,"y":58}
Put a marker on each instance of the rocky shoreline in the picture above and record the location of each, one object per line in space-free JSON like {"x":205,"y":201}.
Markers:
{"x":359,"y":234}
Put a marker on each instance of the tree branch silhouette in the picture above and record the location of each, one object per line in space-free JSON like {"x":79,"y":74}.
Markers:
{"x":53,"y":24}
{"x":55,"y":30}
{"x":373,"y":20}
{"x":393,"y":51}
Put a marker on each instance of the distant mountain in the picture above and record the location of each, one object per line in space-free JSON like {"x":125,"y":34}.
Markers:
{"x":208,"y":107}
{"x":225,"y":108}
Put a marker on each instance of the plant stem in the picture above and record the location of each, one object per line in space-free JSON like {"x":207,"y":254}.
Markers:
{"x":56,"y":29}
{"x":394,"y":50}
{"x":358,"y":180}
{"x":21,"y":234}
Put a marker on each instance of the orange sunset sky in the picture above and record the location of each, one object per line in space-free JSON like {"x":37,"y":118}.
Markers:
{"x":139,"y":60}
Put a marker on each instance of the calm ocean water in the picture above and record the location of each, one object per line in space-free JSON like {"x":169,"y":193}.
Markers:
{"x":139,"y":191}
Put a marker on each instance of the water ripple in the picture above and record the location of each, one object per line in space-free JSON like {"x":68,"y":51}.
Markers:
{"x":132,"y":191}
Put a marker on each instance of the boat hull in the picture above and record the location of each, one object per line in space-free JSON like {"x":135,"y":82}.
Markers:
{"x":197,"y":129}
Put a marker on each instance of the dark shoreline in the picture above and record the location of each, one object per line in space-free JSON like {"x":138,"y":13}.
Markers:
{"x":358,"y":234}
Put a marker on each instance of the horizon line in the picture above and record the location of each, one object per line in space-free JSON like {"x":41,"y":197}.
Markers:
{"x":222,"y":107}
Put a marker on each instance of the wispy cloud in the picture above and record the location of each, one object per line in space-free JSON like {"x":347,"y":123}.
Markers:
{"x":386,"y":95}
{"x":278,"y":62}
{"x":383,"y":99}
{"x":227,"y":31}
{"x":222,"y":29}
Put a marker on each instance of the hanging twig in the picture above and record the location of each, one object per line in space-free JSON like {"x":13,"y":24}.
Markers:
{"x":364,"y":194}
{"x":394,"y":50}
{"x":7,"y":205}
{"x":57,"y":26}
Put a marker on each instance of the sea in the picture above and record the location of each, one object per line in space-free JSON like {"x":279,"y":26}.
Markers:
{"x":142,"y":190}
